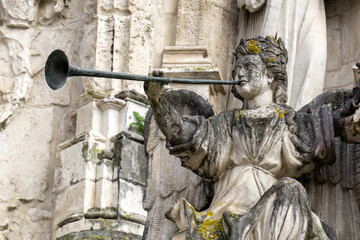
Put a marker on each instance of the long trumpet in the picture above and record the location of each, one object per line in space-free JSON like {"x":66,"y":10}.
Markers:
{"x":58,"y":69}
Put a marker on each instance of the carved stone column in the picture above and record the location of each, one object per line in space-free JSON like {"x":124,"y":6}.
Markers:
{"x":123,"y":44}
{"x":97,"y":193}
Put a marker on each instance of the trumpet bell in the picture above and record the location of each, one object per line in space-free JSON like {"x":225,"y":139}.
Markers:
{"x":56,"y":69}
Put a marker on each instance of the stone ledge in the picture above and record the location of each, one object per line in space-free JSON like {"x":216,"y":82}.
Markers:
{"x":70,"y":218}
{"x":186,"y":56}
{"x":129,"y":135}
{"x":72,"y":141}
{"x":133,"y":217}
{"x":107,"y":213}
{"x":100,"y":234}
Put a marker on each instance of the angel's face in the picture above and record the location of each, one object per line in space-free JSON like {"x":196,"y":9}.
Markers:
{"x":251,"y":72}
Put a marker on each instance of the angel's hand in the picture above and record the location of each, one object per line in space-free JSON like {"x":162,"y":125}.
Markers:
{"x":350,"y":128}
{"x":155,"y":89}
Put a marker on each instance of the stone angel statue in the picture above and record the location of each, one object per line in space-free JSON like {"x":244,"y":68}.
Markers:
{"x":237,"y":178}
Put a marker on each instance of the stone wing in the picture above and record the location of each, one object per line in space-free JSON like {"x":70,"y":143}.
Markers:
{"x":169,"y":182}
{"x":334,"y":189}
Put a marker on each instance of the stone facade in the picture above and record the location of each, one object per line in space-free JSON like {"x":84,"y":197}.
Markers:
{"x":343,"y":43}
{"x":58,"y":173}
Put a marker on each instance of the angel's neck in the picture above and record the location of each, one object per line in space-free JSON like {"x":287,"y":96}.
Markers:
{"x":262,"y":99}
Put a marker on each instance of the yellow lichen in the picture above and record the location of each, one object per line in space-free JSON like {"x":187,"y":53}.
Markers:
{"x":280,"y":114}
{"x":233,"y":215}
{"x":97,"y":237}
{"x":209,"y":229}
{"x":271,"y":59}
{"x":253,"y":47}
{"x":210,"y":214}
{"x":272,"y":38}
{"x":193,"y":210}
{"x":200,"y":69}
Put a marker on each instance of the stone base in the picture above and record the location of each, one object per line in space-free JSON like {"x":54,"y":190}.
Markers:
{"x":196,"y":73}
{"x":185,"y":56}
{"x":100,"y":234}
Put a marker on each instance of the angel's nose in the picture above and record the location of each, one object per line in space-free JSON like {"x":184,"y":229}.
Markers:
{"x":241,"y":72}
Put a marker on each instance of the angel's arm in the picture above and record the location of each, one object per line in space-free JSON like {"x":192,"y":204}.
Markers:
{"x":175,"y":128}
{"x":201,"y":144}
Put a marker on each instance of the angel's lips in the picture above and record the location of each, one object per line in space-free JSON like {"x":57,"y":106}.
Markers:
{"x":243,"y":81}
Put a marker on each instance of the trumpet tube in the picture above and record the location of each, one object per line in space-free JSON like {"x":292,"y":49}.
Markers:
{"x":58,"y":69}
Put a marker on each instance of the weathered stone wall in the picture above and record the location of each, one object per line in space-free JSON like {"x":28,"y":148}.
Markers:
{"x":343,"y":20}
{"x":30,"y":112}
{"x":43,"y":132}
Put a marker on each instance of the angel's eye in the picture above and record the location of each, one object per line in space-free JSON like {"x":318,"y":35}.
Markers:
{"x":250,"y":67}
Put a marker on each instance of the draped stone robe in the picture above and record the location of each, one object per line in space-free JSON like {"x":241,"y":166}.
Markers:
{"x":245,"y":153}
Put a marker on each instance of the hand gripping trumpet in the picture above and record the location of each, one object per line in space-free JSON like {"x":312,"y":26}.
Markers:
{"x":58,"y":69}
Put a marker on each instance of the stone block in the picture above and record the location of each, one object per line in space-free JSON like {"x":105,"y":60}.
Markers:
{"x":61,"y":39}
{"x":106,"y":185}
{"x":106,"y":190}
{"x":69,"y":201}
{"x":350,"y":36}
{"x":121,"y":4}
{"x":130,"y":155}
{"x":189,"y":21}
{"x":101,"y":234}
{"x":67,"y":126}
{"x":7,"y":188}
{"x":121,"y":40}
{"x":110,"y":124}
{"x":89,"y":118}
{"x":139,"y":58}
{"x":139,"y":6}
{"x":334,"y":44}
{"x":196,"y":73}
{"x":20,"y":10}
{"x":90,"y":187}
{"x":37,"y":223}
{"x":170,"y":7}
{"x":25,"y":160}
{"x":130,"y":198}
{"x":77,"y":226}
{"x":79,"y":163}
{"x":130,"y":227}
{"x":111,"y":229}
{"x":345,"y":7}
{"x":15,"y":80}
{"x":345,"y":74}
{"x":73,"y":165}
{"x":71,"y":17}
{"x":104,"y":43}
{"x":105,"y":5}
{"x":103,"y":53}
{"x":185,"y":56}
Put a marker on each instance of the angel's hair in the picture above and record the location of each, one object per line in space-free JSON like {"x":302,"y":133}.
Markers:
{"x":273,"y":53}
